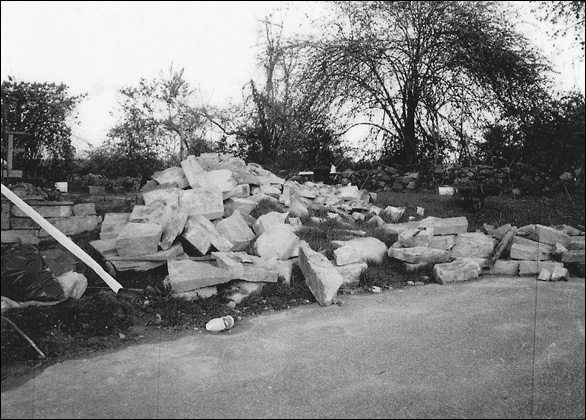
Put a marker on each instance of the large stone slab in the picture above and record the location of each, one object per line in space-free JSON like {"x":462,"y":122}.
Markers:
{"x":446,"y":226}
{"x":169,"y":196}
{"x":173,"y":227}
{"x":551,"y":236}
{"x":191,"y":169}
{"x":113,"y":224}
{"x":473,"y":244}
{"x":577,"y":242}
{"x":269,"y":220}
{"x":218,"y":179}
{"x":24,"y":223}
{"x":171,"y":175}
{"x":574,"y":256}
{"x":321,"y":276}
{"x":138,"y":239}
{"x":17,"y":235}
{"x":84,"y":209}
{"x":199,"y":201}
{"x":530,"y":251}
{"x":202,"y":234}
{"x":533,"y":268}
{"x":416,"y":237}
{"x":243,"y":205}
{"x":504,"y":268}
{"x":346,"y":255}
{"x":73,"y":225}
{"x":186,"y":275}
{"x":461,"y":269}
{"x":419,"y":254}
{"x":398,"y":228}
{"x":236,"y":230}
{"x":369,"y":248}
{"x":351,"y":272}
{"x":444,"y":242}
{"x":46,"y":211}
{"x":279,"y":241}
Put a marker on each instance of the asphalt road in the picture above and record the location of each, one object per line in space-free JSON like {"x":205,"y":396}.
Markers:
{"x":491,"y":348}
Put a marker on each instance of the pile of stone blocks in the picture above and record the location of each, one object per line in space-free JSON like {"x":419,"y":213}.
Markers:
{"x":454,"y":254}
{"x":71,"y":219}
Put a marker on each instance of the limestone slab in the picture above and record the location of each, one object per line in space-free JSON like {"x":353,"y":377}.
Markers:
{"x":112,"y":224}
{"x":444,"y":242}
{"x":473,"y":244}
{"x":527,"y":251}
{"x":236,"y":230}
{"x":461,"y":269}
{"x":321,"y":276}
{"x":574,"y":256}
{"x":84,"y":209}
{"x":138,"y":239}
{"x":186,"y":275}
{"x":351,"y":272}
{"x":504,"y":268}
{"x":280,"y":242}
{"x":191,"y":168}
{"x":533,"y":268}
{"x":169,"y":196}
{"x":171,"y":175}
{"x":369,"y":248}
{"x":45,"y":211}
{"x":73,"y":225}
{"x":446,"y":226}
{"x":551,"y":236}
{"x":419,"y":254}
{"x":416,"y":237}
{"x":199,"y":201}
{"x":19,"y":235}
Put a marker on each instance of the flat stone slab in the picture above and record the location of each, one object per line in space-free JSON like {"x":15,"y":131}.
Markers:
{"x":46,"y":211}
{"x":236,"y":230}
{"x":419,"y":254}
{"x":574,"y":256}
{"x":533,"y":268}
{"x":112,"y":224}
{"x":416,"y":237}
{"x":279,"y":242}
{"x":171,"y":175}
{"x":503,"y":268}
{"x":17,"y":235}
{"x":473,"y":244}
{"x":321,"y":276}
{"x":169,"y":196}
{"x":444,"y":242}
{"x":445,"y":226}
{"x":199,"y":201}
{"x":202,"y":234}
{"x":73,"y":225}
{"x":139,"y":239}
{"x":186,"y":275}
{"x":551,"y":236}
{"x":84,"y":209}
{"x":527,"y":251}
{"x":351,"y":272}
{"x":368,"y":248}
{"x":461,"y":269}
{"x":577,"y":242}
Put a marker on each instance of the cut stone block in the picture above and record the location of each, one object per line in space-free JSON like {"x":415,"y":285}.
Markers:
{"x":172,"y":228}
{"x":138,"y":239}
{"x":419,"y":254}
{"x":544,"y":275}
{"x":398,"y":228}
{"x":84,"y":209}
{"x":533,"y":268}
{"x":350,"y":192}
{"x":73,"y":225}
{"x":504,"y":268}
{"x":186,"y":275}
{"x":45,"y":211}
{"x":416,"y":237}
{"x":270,"y":190}
{"x":280,"y":242}
{"x":202,"y":234}
{"x":574,"y":256}
{"x":551,"y":236}
{"x":321,"y":276}
{"x":113,"y":224}
{"x":191,"y":168}
{"x":530,"y":251}
{"x":268,"y":221}
{"x":473,"y":244}
{"x":5,"y":218}
{"x":446,"y":226}
{"x":23,"y":236}
{"x":351,"y":272}
{"x":445,"y":242}
{"x":243,"y":205}
{"x":461,"y":269}
{"x":198,"y":201}
{"x":169,"y":196}
{"x":570,"y":230}
{"x":559,"y":273}
{"x":369,"y":248}
{"x":346,"y":255}
{"x":24,"y":223}
{"x":577,"y":242}
{"x":171,"y":175}
{"x":236,"y":230}
{"x":297,"y":208}
{"x":141,"y":211}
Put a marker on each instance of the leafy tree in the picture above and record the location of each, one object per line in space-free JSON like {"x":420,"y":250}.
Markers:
{"x":422,"y":74}
{"x":44,"y":111}
{"x":566,"y":17}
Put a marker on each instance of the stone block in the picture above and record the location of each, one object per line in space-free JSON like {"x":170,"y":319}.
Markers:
{"x":73,"y":225}
{"x":369,"y":248}
{"x":243,"y":205}
{"x":172,"y":175}
{"x":5,"y":216}
{"x":445,"y":242}
{"x":530,"y":251}
{"x":187,"y":275}
{"x":446,"y":226}
{"x":559,"y":273}
{"x":544,"y":275}
{"x":84,"y":209}
{"x":574,"y":256}
{"x":138,"y":239}
{"x":191,"y":169}
{"x":461,"y":269}
{"x":346,"y":255}
{"x":23,"y":236}
{"x":577,"y":242}
{"x":46,"y":211}
{"x":202,"y":234}
{"x":172,"y":228}
{"x":280,"y":242}
{"x":22,"y":223}
{"x":351,"y":272}
{"x":473,"y":244}
{"x":419,"y":254}
{"x":416,"y":237}
{"x":141,"y":211}
{"x":268,"y":221}
{"x":236,"y":230}
{"x":551,"y":236}
{"x":113,"y":224}
{"x":297,"y":208}
{"x":376,"y":221}
{"x":398,"y":228}
{"x":395,"y":213}
{"x":169,"y":196}
{"x":198,"y":201}
{"x":504,"y":268}
{"x":321,"y":276}
{"x":533,"y":268}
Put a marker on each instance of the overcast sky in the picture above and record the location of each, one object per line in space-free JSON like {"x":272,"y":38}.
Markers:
{"x":98,"y":47}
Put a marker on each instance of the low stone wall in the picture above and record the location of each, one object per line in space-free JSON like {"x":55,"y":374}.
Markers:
{"x":71,"y":219}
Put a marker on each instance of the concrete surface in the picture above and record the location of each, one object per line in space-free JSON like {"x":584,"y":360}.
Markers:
{"x":490,"y":348}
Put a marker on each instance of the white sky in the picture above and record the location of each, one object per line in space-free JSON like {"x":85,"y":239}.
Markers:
{"x":98,"y":47}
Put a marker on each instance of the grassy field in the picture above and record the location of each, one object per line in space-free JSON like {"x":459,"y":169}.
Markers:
{"x":102,"y":320}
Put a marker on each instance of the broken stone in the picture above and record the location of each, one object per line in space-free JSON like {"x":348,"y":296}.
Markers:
{"x":398,"y":228}
{"x":186,"y":275}
{"x":169,"y":196}
{"x":416,"y":237}
{"x":376,"y":221}
{"x":138,"y":239}
{"x":73,"y":284}
{"x":409,"y":267}
{"x":320,"y":274}
{"x":18,"y":235}
{"x":569,"y":230}
{"x":236,"y":230}
{"x":551,"y":236}
{"x":285,"y":197}
{"x":420,"y":211}
{"x":279,"y":241}
{"x":172,"y":228}
{"x":504,"y":267}
{"x":473,"y":244}
{"x":446,"y":226}
{"x":239,"y":290}
{"x":297,"y":208}
{"x":191,"y":169}
{"x":73,"y":225}
{"x":349,"y":192}
{"x":461,"y":269}
{"x":346,"y":255}
{"x":577,"y":242}
{"x":369,"y":248}
{"x":351,"y":272}
{"x":419,"y":254}
{"x":544,"y":275}
{"x":172,"y":175}
{"x":268,"y":221}
{"x":530,"y":250}
{"x":394,"y":213}
{"x":532,"y":268}
{"x":357,"y":216}
{"x":202,"y":202}
{"x":559,"y":273}
{"x":243,"y":205}
{"x":270,"y":190}
{"x":112,"y":224}
{"x":202,"y":233}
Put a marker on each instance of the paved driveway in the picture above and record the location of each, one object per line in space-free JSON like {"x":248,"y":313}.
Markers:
{"x":492,"y":348}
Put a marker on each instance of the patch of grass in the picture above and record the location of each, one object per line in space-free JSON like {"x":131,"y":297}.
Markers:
{"x":266,"y":206}
{"x":392,"y":273}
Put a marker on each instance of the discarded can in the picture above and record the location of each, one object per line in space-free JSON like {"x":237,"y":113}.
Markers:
{"x":220,"y":324}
